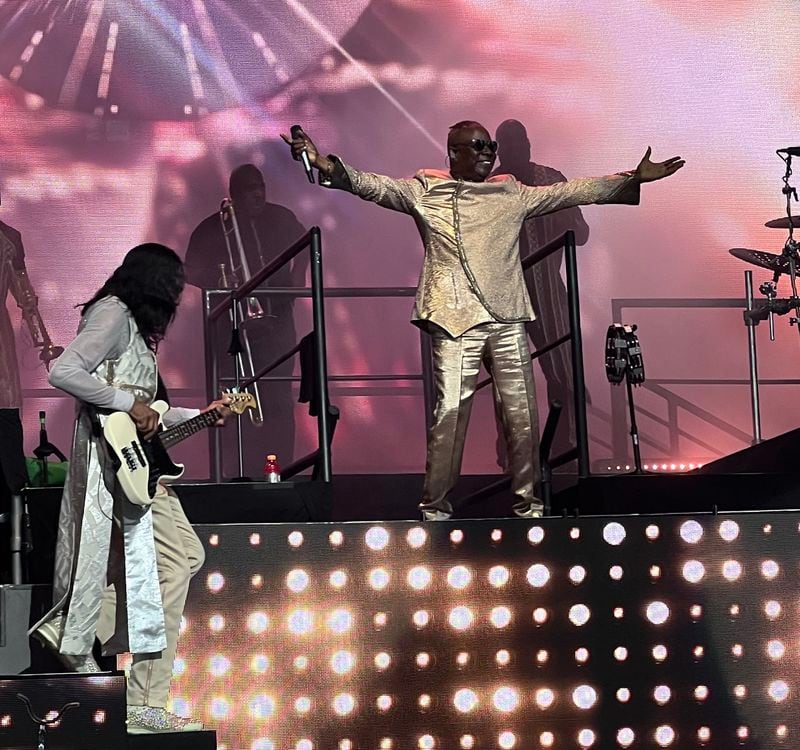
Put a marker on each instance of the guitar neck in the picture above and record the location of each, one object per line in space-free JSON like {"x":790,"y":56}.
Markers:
{"x":188,"y":428}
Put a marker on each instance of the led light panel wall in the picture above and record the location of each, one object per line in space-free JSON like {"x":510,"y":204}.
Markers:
{"x":668,"y":632}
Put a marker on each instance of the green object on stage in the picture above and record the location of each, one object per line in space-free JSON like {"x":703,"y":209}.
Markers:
{"x":43,"y":473}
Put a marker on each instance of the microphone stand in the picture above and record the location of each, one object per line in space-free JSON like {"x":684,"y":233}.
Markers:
{"x":790,"y":249}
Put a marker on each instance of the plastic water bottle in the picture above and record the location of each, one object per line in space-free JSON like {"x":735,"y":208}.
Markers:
{"x":272,"y":471}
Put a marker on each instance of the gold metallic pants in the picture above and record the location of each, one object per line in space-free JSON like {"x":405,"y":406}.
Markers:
{"x":179,"y":555}
{"x":503,"y":350}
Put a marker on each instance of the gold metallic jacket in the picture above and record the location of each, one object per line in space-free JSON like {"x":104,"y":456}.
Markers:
{"x":472,"y":272}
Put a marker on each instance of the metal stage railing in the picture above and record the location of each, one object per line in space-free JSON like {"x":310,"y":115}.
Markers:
{"x":676,"y":403}
{"x":575,"y":339}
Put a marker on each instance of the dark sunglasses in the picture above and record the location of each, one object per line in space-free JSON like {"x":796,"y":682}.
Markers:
{"x":478,"y":144}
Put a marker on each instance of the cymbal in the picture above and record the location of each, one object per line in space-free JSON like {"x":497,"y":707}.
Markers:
{"x":773,"y":262}
{"x":783,"y":223}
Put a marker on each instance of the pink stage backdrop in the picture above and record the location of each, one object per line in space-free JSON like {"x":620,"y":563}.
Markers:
{"x":121,"y":121}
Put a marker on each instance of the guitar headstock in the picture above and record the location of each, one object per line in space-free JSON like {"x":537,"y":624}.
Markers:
{"x":240,"y":401}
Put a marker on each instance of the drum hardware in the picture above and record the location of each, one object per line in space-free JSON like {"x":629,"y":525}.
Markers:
{"x":624,"y":362}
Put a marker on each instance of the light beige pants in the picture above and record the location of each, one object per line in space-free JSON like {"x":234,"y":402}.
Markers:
{"x":179,"y":555}
{"x":503,"y":350}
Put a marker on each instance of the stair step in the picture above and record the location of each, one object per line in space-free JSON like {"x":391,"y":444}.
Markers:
{"x":206,"y":740}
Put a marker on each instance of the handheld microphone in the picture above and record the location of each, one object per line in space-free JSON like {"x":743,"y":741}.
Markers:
{"x":297,"y":131}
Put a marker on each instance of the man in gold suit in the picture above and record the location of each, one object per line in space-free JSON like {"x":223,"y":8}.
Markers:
{"x":471,"y":296}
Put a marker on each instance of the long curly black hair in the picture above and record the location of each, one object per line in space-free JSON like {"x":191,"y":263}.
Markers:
{"x":149,"y":282}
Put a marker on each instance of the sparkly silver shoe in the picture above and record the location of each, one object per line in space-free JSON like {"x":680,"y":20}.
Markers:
{"x":49,"y":635}
{"x":434,"y":514}
{"x":532,"y":511}
{"x":151,"y":720}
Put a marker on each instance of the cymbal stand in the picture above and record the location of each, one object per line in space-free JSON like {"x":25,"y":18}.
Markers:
{"x":790,"y":249}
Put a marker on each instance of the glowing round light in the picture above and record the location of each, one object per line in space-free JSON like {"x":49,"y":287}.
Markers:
{"x":257,"y":622}
{"x":459,"y":577}
{"x":220,"y":708}
{"x":345,"y":745}
{"x":695,"y":611}
{"x":502,"y":658}
{"x":731,"y":570}
{"x":652,"y":532}
{"x":216,"y":623}
{"x":382,"y":660}
{"x":376,"y":538}
{"x":584,"y":696}
{"x":344,"y":704}
{"x":574,"y":533}
{"x":657,"y":613}
{"x":701,"y":692}
{"x":734,"y":610}
{"x":379,"y":620}
{"x":304,"y":744}
{"x":263,"y":743}
{"x":778,"y":690}
{"x":215,"y":582}
{"x":500,"y":617}
{"x":178,"y":666}
{"x":99,"y":717}
{"x":426,"y":742}
{"x":694,"y":571}
{"x":342,"y":662}
{"x":544,"y":698}
{"x":772,"y":609}
{"x":655,"y":571}
{"x":259,"y":663}
{"x":540,"y":615}
{"x":623,"y":695}
{"x":424,"y":701}
{"x":505,"y":699}
{"x":295,"y":539}
{"x":620,"y":653}
{"x":384,"y":702}
{"x":300,"y":621}
{"x":703,"y":734}
{"x":261,"y":707}
{"x":547,"y":739}
{"x":742,"y":733}
{"x":770,"y":569}
{"x":456,"y":536}
{"x":662,"y":694}
{"x":255,"y":539}
{"x":416,"y":537}
{"x":379,"y":578}
{"x":740,"y":691}
{"x":421,"y":618}
{"x":386,"y":743}
{"x":336,"y":538}
{"x":297,"y":580}
{"x":423,"y":659}
{"x":665,"y":736}
{"x":507,"y":740}
{"x":257,"y":581}
{"x":586,"y":738}
{"x":302,"y":705}
{"x":541,"y":656}
{"x":775,"y":650}
{"x":462,"y":659}
{"x":698,"y":652}
{"x":496,"y":535}
{"x":219,"y":665}
{"x":300,"y":663}
{"x":614,"y":533}
{"x":729,"y":530}
{"x":461,"y":618}
{"x":737,"y":650}
{"x":535,"y":534}
{"x":419,"y":577}
{"x":465,"y":700}
{"x":340,"y":621}
{"x":659,"y":652}
{"x":615,"y":572}
{"x":782,"y":731}
{"x":581,"y":655}
{"x":626,"y":737}
{"x":619,"y":613}
{"x":577,"y":573}
{"x":691,"y":532}
{"x":338,"y":579}
{"x":499,"y":576}
{"x":467,"y":742}
{"x":579,"y":614}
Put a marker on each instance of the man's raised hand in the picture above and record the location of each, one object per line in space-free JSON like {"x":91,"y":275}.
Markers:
{"x":300,"y":144}
{"x":649,"y":171}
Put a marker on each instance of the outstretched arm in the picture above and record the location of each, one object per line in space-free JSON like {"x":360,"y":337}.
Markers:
{"x":398,"y":195}
{"x":649,"y":171}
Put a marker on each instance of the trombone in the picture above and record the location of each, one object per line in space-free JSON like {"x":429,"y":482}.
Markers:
{"x":249,"y":309}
